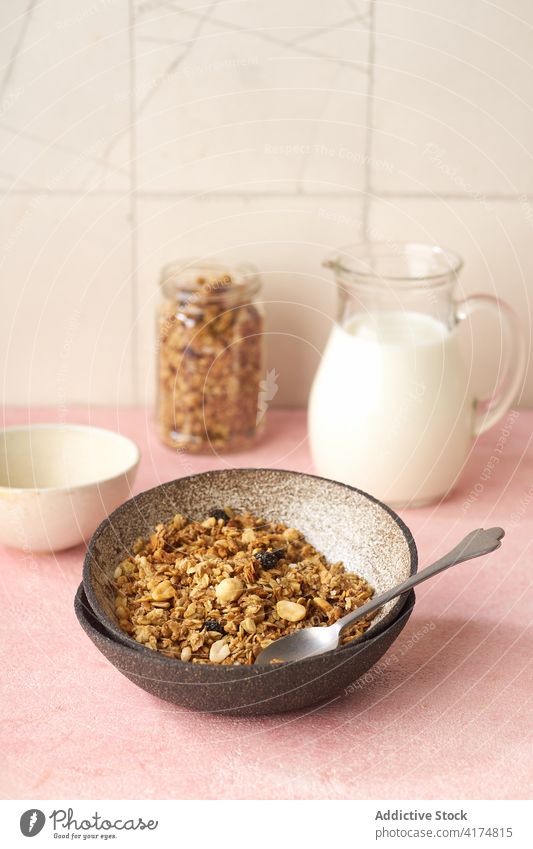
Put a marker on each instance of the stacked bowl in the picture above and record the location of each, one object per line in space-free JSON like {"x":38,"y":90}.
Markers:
{"x":343,"y":523}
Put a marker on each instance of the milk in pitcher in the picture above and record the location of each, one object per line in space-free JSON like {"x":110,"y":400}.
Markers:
{"x":390,"y":409}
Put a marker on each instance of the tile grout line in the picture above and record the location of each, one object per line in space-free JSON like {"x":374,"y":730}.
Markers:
{"x":202,"y":197}
{"x":369,"y":118}
{"x":133,"y":198}
{"x":10,"y":67}
{"x":478,"y":196}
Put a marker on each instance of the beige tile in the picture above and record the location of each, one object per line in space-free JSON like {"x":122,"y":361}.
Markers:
{"x":66,"y":329}
{"x":453,"y":108}
{"x":64,"y":95}
{"x":494,"y":240}
{"x":287,"y":239}
{"x":242,"y":97}
{"x":289,"y":22}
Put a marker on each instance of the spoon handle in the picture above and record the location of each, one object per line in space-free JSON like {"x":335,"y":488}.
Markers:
{"x":475,"y":544}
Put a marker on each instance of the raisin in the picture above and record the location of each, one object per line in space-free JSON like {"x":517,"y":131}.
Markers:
{"x":214,"y":625}
{"x":269,"y":559}
{"x":219,"y":514}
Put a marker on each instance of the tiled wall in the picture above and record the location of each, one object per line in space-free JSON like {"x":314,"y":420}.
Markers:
{"x":135,"y":133}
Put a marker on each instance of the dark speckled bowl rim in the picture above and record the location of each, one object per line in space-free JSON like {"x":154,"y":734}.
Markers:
{"x":119,"y":635}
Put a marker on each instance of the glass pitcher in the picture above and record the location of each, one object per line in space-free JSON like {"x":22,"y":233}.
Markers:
{"x":391,"y":411}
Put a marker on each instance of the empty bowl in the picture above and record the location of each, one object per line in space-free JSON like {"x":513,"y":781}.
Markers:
{"x":340,"y":521}
{"x":58,"y":481}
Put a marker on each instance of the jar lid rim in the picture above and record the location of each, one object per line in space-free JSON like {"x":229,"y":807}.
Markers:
{"x":243,"y":276}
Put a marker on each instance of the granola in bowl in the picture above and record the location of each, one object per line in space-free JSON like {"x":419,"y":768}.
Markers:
{"x":220,"y":590}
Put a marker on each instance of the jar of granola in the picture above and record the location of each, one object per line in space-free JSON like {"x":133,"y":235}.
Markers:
{"x":210,"y":357}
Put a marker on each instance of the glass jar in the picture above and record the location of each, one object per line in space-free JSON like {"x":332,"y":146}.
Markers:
{"x":210,"y":357}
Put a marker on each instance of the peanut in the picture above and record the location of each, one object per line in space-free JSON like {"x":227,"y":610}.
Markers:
{"x":291,"y":611}
{"x":229,"y":590}
{"x":219,"y":651}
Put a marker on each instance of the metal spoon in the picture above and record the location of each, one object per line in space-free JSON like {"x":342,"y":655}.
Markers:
{"x":308,"y":642}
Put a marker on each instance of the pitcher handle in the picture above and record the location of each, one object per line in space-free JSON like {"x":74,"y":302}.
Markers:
{"x":490,"y":410}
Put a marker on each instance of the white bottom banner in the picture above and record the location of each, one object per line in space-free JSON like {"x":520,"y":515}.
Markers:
{"x":261,"y":824}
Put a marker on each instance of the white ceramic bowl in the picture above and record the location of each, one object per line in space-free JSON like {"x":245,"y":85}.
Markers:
{"x":59,"y":481}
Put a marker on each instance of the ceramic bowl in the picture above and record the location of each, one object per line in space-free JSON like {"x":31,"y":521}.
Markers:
{"x":243,"y":690}
{"x":58,"y":481}
{"x":342,"y":522}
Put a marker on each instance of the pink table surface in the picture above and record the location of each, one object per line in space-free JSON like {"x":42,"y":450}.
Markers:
{"x":446,"y":714}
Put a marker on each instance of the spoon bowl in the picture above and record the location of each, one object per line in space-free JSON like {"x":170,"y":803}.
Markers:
{"x":307,"y":642}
